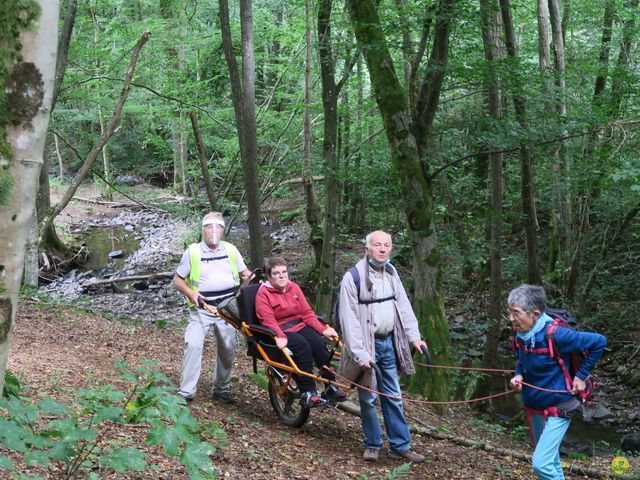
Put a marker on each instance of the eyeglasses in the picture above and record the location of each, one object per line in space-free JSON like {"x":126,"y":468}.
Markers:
{"x":518,"y":313}
{"x":282,"y":273}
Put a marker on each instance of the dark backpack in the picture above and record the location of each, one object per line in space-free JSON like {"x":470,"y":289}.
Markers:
{"x":563,"y":318}
{"x":335,"y":317}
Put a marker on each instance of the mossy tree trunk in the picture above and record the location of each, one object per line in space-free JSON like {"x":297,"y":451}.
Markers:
{"x":526,"y":155}
{"x":489,"y":13}
{"x":330,"y":92}
{"x":28,"y":86}
{"x":312,"y":212}
{"x":417,"y":196}
{"x":244,"y":97}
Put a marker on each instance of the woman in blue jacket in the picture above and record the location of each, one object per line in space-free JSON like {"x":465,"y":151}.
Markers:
{"x":549,"y":402}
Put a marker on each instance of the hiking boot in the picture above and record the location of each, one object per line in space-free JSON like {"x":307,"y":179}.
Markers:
{"x":223,"y":397}
{"x":406,"y":455}
{"x":189,"y":400}
{"x":334,"y":394}
{"x":370,"y":455}
{"x":311,"y":399}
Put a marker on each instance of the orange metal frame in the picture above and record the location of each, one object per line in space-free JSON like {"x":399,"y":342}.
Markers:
{"x":289,"y":367}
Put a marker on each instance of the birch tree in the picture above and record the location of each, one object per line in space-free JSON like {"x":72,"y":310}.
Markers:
{"x":27,"y":74}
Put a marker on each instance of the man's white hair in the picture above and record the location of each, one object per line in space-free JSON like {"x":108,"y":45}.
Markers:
{"x":213,"y":216}
{"x":367,"y":240}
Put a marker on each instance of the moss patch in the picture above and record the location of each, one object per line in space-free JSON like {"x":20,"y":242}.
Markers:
{"x":15,"y":17}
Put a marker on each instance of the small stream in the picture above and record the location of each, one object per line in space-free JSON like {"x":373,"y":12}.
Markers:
{"x":102,"y":240}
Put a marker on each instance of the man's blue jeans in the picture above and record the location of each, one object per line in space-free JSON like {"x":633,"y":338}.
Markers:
{"x":392,"y":410}
{"x":546,"y":456}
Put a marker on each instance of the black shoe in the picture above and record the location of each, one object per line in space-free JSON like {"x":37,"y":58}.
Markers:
{"x":189,"y":400}
{"x":334,"y":394}
{"x":223,"y":397}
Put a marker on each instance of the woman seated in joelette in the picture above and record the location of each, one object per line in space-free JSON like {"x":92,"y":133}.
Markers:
{"x":281,"y":306}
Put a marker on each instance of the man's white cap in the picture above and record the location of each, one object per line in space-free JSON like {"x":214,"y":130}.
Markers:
{"x":213,"y":221}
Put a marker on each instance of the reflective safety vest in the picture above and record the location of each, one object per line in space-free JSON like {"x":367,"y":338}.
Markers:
{"x":195,"y":255}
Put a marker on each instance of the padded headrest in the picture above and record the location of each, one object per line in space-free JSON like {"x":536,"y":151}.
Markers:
{"x":248,"y":303}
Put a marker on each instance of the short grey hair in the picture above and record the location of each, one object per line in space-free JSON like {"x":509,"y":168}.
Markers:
{"x":213,"y":216}
{"x":529,"y":297}
{"x":367,"y":240}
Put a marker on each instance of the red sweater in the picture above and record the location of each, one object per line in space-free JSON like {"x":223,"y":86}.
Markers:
{"x":279,"y":310}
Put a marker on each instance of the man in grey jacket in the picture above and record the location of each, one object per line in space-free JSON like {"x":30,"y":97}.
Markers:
{"x":378,"y":325}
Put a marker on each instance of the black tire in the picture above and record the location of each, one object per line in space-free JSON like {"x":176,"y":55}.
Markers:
{"x":287,"y":406}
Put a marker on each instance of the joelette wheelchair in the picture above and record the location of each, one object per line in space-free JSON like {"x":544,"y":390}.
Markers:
{"x":279,"y":366}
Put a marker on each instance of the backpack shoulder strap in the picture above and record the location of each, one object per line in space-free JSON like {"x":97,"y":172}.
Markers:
{"x":554,"y":351}
{"x":356,"y":279}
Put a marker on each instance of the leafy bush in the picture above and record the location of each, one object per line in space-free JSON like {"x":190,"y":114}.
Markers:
{"x":49,"y":432}
{"x":11,"y":385}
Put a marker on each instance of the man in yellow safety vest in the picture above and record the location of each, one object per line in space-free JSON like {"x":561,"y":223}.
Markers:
{"x":210,"y":270}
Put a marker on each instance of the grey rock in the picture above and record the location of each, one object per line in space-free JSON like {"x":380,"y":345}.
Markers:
{"x":630,"y":442}
{"x":116,"y":254}
{"x":140,"y":285}
{"x":596,"y":411}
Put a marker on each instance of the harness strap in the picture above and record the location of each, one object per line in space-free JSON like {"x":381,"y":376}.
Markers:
{"x":220,"y":293}
{"x":546,"y":413}
{"x":289,"y":324}
{"x":376,"y":300}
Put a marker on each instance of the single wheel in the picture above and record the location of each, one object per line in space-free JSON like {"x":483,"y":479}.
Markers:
{"x":284,"y":395}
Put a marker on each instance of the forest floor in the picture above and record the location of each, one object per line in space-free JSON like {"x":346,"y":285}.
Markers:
{"x":58,"y":349}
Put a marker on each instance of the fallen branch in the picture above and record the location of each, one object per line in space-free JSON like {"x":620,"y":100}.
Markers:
{"x":99,"y":202}
{"x":109,"y":130}
{"x":127,"y":279}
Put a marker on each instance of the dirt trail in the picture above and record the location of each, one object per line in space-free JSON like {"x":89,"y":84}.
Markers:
{"x":56,"y":351}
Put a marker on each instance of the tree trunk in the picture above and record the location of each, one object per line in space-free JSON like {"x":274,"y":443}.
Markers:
{"x":102,"y":141}
{"x":172,"y":11}
{"x":56,"y":142}
{"x":618,"y":81}
{"x":526,"y":157}
{"x":490,"y":35}
{"x":204,"y":166}
{"x":31,"y":85}
{"x":105,"y":155}
{"x":407,"y":42}
{"x":243,"y":91}
{"x":30,"y":276}
{"x":250,"y":157}
{"x":105,"y":159}
{"x":49,"y":238}
{"x":563,"y":222}
{"x":355,"y":200}
{"x":332,"y":180}
{"x":393,"y":105}
{"x":312,"y":212}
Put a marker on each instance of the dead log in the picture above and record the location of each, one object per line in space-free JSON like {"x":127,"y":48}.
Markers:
{"x":99,"y":202}
{"x":131,"y":278}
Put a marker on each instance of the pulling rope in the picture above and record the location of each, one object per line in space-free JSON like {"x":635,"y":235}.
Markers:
{"x":452,"y":402}
{"x":477,"y":369}
{"x":424,"y":402}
